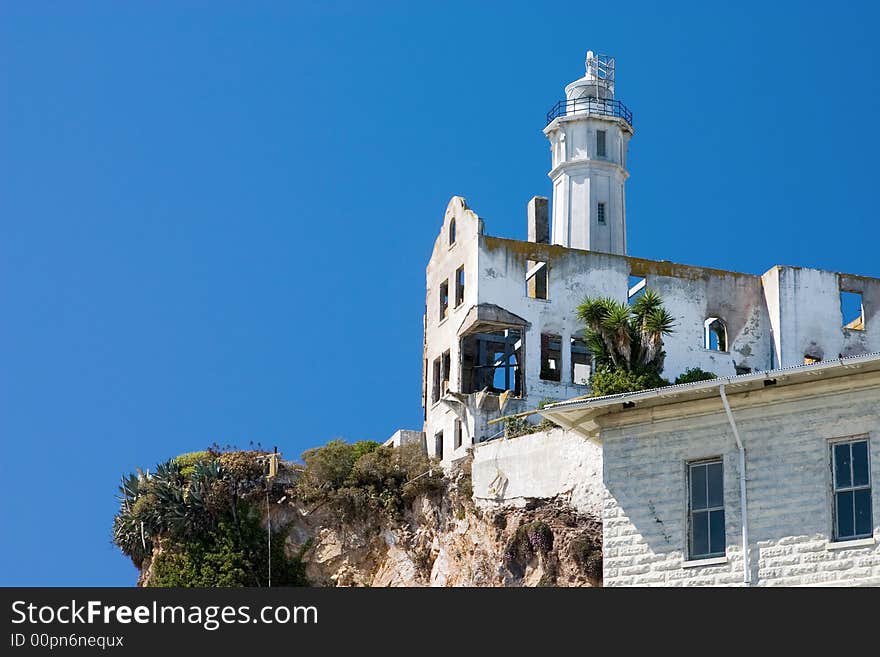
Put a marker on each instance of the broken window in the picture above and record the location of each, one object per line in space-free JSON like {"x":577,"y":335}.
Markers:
{"x":600,"y":143}
{"x":809,"y":359}
{"x":492,"y":361}
{"x":600,"y":213}
{"x":537,"y":280}
{"x":637,"y":285}
{"x":445,"y":362}
{"x":459,"y":286}
{"x":852,"y":311}
{"x":444,"y":300}
{"x":457,"y":434}
{"x":581,"y":362}
{"x":715,"y":331}
{"x":435,"y":389}
{"x":451,"y":232}
{"x":551,"y":357}
{"x":438,"y":445}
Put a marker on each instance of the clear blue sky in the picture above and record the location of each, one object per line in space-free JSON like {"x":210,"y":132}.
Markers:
{"x":215,"y":217}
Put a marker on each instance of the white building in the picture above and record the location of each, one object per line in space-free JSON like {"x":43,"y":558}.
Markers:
{"x":500,"y":331}
{"x":762,"y":479}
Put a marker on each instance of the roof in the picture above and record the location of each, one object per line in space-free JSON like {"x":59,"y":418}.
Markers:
{"x":580,"y":414}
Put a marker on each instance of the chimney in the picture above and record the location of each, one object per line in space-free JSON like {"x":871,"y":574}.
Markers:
{"x":539,"y":224}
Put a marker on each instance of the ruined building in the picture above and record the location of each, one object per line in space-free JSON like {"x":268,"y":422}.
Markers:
{"x":500,"y":330}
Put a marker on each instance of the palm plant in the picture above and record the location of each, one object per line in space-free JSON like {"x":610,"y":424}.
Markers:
{"x":626,"y":337}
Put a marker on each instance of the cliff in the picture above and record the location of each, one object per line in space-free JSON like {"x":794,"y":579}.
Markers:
{"x":438,"y":538}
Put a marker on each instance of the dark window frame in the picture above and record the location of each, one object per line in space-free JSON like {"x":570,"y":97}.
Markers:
{"x":710,"y":510}
{"x":848,"y":489}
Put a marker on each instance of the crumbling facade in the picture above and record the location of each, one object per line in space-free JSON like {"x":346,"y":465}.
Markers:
{"x":501,"y":334}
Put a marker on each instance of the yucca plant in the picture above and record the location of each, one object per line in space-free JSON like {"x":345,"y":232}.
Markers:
{"x":626,"y":337}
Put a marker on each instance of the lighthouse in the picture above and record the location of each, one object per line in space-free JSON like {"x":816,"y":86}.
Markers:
{"x":589,"y":132}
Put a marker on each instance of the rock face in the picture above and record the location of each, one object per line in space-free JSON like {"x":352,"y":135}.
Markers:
{"x":445,"y":540}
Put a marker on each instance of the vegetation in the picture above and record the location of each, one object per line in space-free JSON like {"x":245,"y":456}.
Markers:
{"x":201,"y":509}
{"x":608,"y":381}
{"x":526,"y":543}
{"x":626,"y":341}
{"x":694,"y":374}
{"x":586,"y":550}
{"x":204,"y":509}
{"x":520,"y":426}
{"x":363,"y":479}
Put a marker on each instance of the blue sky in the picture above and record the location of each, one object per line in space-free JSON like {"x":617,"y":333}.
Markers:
{"x":215,"y":217}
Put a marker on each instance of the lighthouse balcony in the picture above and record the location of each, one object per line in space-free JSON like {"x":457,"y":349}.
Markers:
{"x":590,"y":106}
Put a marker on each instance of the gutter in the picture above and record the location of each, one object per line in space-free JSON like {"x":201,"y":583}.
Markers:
{"x":747,"y":571}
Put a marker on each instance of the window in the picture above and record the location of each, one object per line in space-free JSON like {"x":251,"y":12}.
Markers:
{"x":706,"y":509}
{"x":451,"y":232}
{"x":457,"y":435}
{"x":809,"y":359}
{"x":438,"y":445}
{"x":600,"y":143}
{"x":600,"y":213}
{"x":537,"y":280}
{"x":851,"y":471}
{"x":852,"y":311}
{"x":637,"y":285}
{"x":459,"y":286}
{"x":551,"y":357}
{"x":492,"y":361}
{"x":445,"y":362}
{"x":715,"y":334}
{"x":444,"y":300}
{"x":435,"y":389}
{"x":581,"y":362}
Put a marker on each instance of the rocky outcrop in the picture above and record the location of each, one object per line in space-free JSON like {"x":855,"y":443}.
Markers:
{"x":445,"y":540}
{"x":442,"y":539}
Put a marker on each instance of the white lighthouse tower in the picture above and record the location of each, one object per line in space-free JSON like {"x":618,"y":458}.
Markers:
{"x":589,"y":133}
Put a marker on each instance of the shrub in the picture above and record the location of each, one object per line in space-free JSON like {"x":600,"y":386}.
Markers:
{"x":231,"y":554}
{"x":607,"y":381}
{"x":694,"y":374}
{"x":527,"y":542}
{"x":365,"y":478}
{"x":586,"y":552}
{"x":327,"y":468}
{"x":187,"y":462}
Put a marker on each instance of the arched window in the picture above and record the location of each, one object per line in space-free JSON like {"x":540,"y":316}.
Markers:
{"x":451,"y":232}
{"x":715,"y":334}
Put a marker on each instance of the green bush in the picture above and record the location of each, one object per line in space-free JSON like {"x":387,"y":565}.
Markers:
{"x":586,"y":552}
{"x":607,"y":381}
{"x":363,"y":479}
{"x":187,"y":462}
{"x":230,"y":555}
{"x":694,"y":374}
{"x":328,"y":468}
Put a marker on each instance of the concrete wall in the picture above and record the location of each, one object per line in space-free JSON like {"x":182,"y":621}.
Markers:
{"x":405,"y":437}
{"x":442,"y":335}
{"x":786,"y":433}
{"x":810,"y":314}
{"x":690,"y":294}
{"x":539,"y":465}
